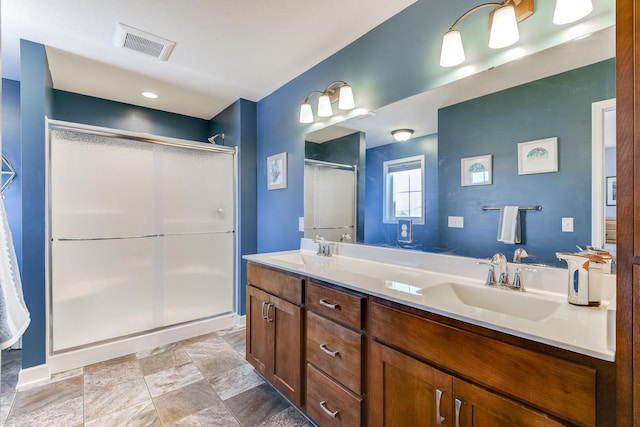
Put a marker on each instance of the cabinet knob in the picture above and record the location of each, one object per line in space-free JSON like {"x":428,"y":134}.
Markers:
{"x":328,"y":304}
{"x":324,"y":348}
{"x":323,"y":406}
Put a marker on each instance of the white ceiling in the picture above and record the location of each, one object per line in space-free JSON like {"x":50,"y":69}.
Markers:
{"x":225,"y":49}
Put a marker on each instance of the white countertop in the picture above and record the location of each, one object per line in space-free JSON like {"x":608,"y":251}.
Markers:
{"x":404,"y":279}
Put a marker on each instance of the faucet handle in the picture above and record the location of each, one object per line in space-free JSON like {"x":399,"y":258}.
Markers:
{"x":491,"y":279}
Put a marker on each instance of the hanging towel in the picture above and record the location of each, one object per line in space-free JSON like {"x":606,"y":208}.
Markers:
{"x":14,"y":315}
{"x":509,"y":225}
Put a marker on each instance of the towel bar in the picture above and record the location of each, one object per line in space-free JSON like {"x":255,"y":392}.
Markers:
{"x":522,"y":208}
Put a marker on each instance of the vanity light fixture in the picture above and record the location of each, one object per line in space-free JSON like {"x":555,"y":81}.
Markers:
{"x":503,"y":23}
{"x":337,"y":91}
{"x":402,"y":135}
{"x":568,"y":11}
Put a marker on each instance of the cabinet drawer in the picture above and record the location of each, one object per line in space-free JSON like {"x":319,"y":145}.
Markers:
{"x":557,"y":386}
{"x":338,"y":305}
{"x":329,"y":403}
{"x":336,"y":350}
{"x":280,"y":284}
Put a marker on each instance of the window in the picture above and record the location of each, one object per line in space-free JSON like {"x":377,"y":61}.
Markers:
{"x":403,"y":195}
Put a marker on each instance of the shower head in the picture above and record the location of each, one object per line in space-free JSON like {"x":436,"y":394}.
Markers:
{"x":213,"y":138}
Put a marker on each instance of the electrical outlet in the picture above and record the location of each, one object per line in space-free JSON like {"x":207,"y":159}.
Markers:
{"x":567,"y":225}
{"x":456,"y":222}
{"x":300,"y":223}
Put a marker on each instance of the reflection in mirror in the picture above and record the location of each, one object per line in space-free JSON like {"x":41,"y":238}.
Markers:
{"x":545,"y":95}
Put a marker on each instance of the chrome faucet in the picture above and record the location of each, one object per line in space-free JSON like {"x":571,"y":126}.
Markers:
{"x":324,"y":248}
{"x":518,"y":254}
{"x":499,"y":261}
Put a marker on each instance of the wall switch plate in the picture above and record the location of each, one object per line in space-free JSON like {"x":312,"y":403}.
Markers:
{"x":567,"y":224}
{"x":301,"y":223}
{"x":456,"y":222}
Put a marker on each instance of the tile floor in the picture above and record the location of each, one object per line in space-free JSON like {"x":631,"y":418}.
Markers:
{"x":203,"y":381}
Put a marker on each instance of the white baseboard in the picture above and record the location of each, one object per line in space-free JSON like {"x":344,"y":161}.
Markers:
{"x":82,"y":357}
{"x":241,"y":321}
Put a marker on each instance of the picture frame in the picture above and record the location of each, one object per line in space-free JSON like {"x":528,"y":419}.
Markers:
{"x":611,"y":191}
{"x":538,"y":156}
{"x":277,"y":171}
{"x":476,"y":170}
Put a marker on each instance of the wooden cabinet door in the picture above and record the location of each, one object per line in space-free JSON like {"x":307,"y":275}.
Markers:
{"x":259,"y":331}
{"x":286,"y":320}
{"x":477,"y":407}
{"x":406,"y":392}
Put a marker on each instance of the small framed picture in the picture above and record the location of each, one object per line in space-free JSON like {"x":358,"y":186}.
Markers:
{"x":277,"y":171}
{"x":611,"y":191}
{"x":539,"y":156}
{"x":476,"y":170}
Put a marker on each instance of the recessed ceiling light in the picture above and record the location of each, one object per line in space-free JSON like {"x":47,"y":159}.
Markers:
{"x":150,"y":95}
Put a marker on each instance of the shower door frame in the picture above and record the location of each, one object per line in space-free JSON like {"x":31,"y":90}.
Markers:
{"x":138,"y":137}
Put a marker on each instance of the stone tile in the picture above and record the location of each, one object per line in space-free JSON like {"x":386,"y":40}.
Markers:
{"x":290,"y":417}
{"x":204,"y":349}
{"x":112,"y":372}
{"x":186,"y":401}
{"x":161,"y":358}
{"x":236,"y":339}
{"x":60,"y":413}
{"x":218,"y":363}
{"x":257,"y":405}
{"x":216,"y":415}
{"x":199,"y":338}
{"x":235,"y":381}
{"x":172,"y":379}
{"x":106,"y":397}
{"x":35,"y":399}
{"x":141,"y":415}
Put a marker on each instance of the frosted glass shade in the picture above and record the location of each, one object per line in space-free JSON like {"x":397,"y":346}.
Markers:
{"x":452,"y":52}
{"x":504,"y":28}
{"x":568,"y":11}
{"x":306,"y":115}
{"x":346,"y":101}
{"x":402,"y":135}
{"x":324,"y":106}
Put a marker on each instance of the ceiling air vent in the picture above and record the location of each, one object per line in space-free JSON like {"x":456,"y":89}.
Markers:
{"x":140,"y":41}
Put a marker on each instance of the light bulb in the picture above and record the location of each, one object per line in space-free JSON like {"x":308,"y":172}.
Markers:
{"x":324,"y":106}
{"x":504,"y":28}
{"x":568,"y":11}
{"x":306,"y":115}
{"x":346,"y":101}
{"x":452,"y":52}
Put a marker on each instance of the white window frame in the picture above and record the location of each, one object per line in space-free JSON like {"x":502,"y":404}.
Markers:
{"x":389,"y":166}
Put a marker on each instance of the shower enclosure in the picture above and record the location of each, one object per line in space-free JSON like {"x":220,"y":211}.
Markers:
{"x":142,"y":234}
{"x":330,"y":191}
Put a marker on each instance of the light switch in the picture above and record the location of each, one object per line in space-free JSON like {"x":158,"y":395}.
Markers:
{"x":567,"y":224}
{"x":456,"y":222}
{"x":300,"y":223}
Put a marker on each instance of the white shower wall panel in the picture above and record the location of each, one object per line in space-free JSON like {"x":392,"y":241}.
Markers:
{"x":195,"y":190}
{"x":97,"y":191}
{"x":103,"y":289}
{"x":197,"y":270}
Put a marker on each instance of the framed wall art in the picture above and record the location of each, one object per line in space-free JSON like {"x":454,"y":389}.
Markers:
{"x":476,"y":170}
{"x":539,"y":156}
{"x":611,"y":191}
{"x":277,"y":171}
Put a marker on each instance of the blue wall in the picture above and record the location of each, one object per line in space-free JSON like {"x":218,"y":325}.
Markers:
{"x":557,"y":106}
{"x":89,"y":110}
{"x":238,"y":123}
{"x":13,"y":151}
{"x":425,"y":237}
{"x":36,"y":94}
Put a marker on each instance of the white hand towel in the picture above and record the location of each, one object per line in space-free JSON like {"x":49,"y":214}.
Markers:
{"x":14,"y":316}
{"x":509,"y":225}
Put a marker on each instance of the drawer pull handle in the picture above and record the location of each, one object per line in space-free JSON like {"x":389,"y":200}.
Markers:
{"x":326,"y":410}
{"x":459,"y":403}
{"x":439,"y":418}
{"x":329,"y":305}
{"x":324,"y":348}
{"x":264,"y":316}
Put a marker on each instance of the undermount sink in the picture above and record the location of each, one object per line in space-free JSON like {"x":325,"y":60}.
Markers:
{"x":300,"y":259}
{"x":509,"y":302}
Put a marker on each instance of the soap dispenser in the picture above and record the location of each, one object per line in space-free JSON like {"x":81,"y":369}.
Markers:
{"x":585,"y":278}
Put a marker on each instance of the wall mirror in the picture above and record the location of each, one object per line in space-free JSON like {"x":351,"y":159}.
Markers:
{"x":548,"y":94}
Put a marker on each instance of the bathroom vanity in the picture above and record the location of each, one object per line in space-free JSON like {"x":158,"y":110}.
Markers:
{"x":375,"y":336}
